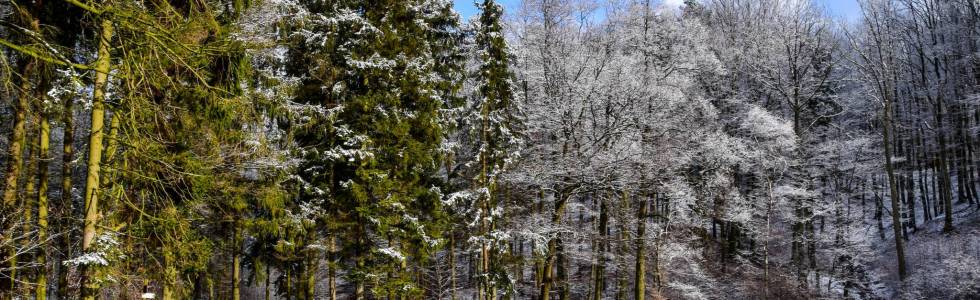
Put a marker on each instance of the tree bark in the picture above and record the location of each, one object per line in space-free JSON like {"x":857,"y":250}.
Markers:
{"x":947,"y":188}
{"x":90,"y":288}
{"x":889,"y":169}
{"x":599,"y":273}
{"x":44,"y":144}
{"x":622,"y":250}
{"x":548,"y":269}
{"x":236,"y":265}
{"x":28,"y":201}
{"x":67,"y":208}
{"x":639,"y":270}
{"x":452,"y":266}
{"x":332,"y":268}
{"x":14,"y":167}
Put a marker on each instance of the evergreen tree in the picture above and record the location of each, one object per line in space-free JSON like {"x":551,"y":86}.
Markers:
{"x":495,"y":129}
{"x":369,"y":136}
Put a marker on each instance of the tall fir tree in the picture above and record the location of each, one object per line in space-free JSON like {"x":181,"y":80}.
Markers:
{"x":495,"y":129}
{"x":370,"y":97}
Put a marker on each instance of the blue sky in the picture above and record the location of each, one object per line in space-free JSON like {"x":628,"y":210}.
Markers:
{"x":842,"y":8}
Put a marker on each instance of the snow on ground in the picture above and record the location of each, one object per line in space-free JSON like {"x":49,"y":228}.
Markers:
{"x":940,"y":265}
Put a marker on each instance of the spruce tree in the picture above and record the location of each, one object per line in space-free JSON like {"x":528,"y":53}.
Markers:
{"x":495,"y":127}
{"x":370,"y":134}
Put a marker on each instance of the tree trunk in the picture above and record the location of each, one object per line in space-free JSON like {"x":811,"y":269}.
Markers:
{"x":765,"y":246}
{"x":90,"y":287}
{"x":169,"y":274}
{"x":947,"y":188}
{"x":452,"y":266}
{"x":44,"y":144}
{"x":548,"y":269}
{"x":268,"y":282}
{"x":236,"y":265}
{"x":920,"y":165}
{"x":936,"y":187}
{"x":332,"y":268}
{"x":359,"y":261}
{"x":601,"y":243}
{"x":67,"y":208}
{"x":639,"y":270}
{"x":622,"y":250}
{"x":878,"y":207}
{"x":14,"y":166}
{"x":910,"y":197}
{"x":289,"y":284}
{"x":311,"y":267}
{"x":561,"y":266}
{"x":889,"y":169}
{"x":28,"y":201}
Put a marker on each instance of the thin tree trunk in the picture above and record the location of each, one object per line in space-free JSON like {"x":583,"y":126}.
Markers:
{"x":765,"y":245}
{"x":970,"y":165}
{"x":920,"y":165}
{"x":621,"y":250}
{"x":14,"y":166}
{"x":236,"y":275}
{"x":311,"y":267}
{"x":947,"y":188}
{"x":561,"y":266}
{"x":889,"y":169}
{"x":169,"y":273}
{"x":601,"y":243}
{"x":359,"y":284}
{"x":639,"y":270}
{"x":936,"y":187}
{"x":27,"y":202}
{"x":878,"y":206}
{"x":910,"y":197}
{"x":289,"y":285}
{"x":44,"y":143}
{"x":67,"y":208}
{"x":268,"y":282}
{"x":332,"y":268}
{"x":452,"y":266}
{"x":900,"y":185}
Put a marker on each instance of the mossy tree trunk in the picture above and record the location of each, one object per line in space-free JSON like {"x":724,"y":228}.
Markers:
{"x":44,"y":157}
{"x":90,"y":288}
{"x":14,"y":168}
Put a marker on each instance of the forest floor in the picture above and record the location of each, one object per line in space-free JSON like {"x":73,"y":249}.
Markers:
{"x":940,"y":265}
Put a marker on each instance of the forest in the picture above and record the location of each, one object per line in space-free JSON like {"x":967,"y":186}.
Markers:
{"x":543,"y":149}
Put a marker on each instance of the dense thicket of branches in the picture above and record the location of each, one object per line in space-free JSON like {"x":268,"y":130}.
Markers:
{"x":569,"y":149}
